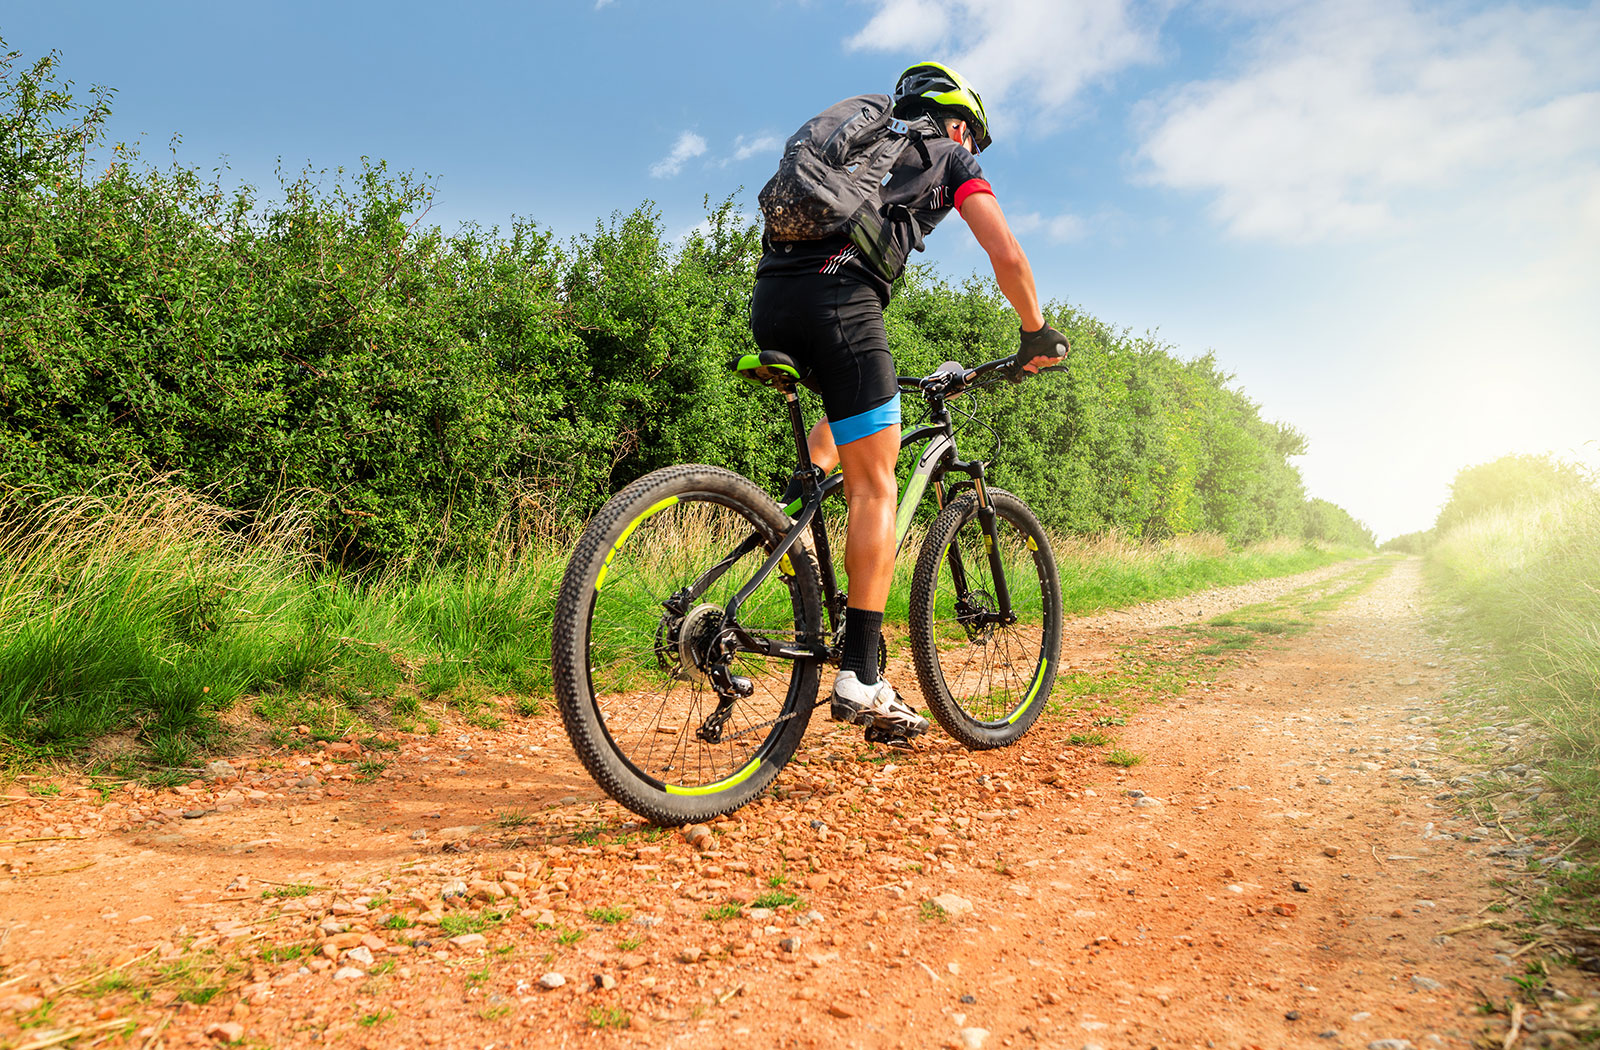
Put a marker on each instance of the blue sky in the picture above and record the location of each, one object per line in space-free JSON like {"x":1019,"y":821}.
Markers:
{"x":1383,"y":216}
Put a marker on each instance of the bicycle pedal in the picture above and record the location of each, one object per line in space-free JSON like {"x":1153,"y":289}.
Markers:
{"x":888,"y":738}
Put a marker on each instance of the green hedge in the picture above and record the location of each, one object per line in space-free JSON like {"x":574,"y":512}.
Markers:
{"x":434,"y":395}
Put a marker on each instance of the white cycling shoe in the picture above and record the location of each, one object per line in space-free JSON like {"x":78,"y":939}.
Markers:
{"x":874,"y":706}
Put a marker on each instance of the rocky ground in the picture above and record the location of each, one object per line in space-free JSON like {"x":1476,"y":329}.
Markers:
{"x":1298,"y":857}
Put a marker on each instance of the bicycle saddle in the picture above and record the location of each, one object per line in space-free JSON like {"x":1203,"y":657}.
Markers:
{"x":770,"y":368}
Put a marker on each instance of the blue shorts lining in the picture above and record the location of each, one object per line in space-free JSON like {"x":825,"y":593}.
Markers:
{"x":865,"y":424}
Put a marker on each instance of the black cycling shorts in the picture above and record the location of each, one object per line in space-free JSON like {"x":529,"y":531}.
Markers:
{"x":832,"y":325}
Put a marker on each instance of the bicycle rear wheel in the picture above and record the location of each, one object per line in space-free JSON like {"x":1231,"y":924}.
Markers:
{"x":633,"y":650}
{"x":984,"y":680}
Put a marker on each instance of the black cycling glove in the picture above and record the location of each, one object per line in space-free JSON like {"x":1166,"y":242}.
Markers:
{"x":1046,"y":342}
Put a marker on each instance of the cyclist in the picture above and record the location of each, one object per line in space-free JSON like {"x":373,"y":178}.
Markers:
{"x":819,"y":302}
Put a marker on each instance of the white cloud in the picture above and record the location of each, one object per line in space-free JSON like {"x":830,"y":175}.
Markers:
{"x":598,"y":4}
{"x":1028,"y":57}
{"x":688,"y":146}
{"x":744,"y":149}
{"x":1062,"y":229}
{"x":903,"y":25}
{"x":1348,"y":119}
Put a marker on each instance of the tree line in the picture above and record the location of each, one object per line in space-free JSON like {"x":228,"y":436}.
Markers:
{"x":431,"y":395}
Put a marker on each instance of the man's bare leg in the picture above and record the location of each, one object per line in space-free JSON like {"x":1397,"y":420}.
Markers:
{"x":869,"y":488}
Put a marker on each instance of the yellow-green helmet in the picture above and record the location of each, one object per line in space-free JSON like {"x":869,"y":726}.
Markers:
{"x":943,"y":88}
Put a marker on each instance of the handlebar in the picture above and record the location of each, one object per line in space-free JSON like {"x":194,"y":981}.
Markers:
{"x":952,"y":378}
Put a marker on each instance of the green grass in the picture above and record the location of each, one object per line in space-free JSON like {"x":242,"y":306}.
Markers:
{"x":299,"y":889}
{"x":1522,"y":582}
{"x":928,"y":911}
{"x":607,"y":914}
{"x":608,"y":1017}
{"x":368,"y":769}
{"x":1126,"y":759}
{"x":455,"y":923}
{"x":111,"y":982}
{"x":278,"y":953}
{"x":722,"y":912}
{"x":1097,"y":575}
{"x":372,"y":1020}
{"x":778,"y":899}
{"x":512,"y":819}
{"x":151,"y":609}
{"x":566,"y":937}
{"x":1088,"y":739}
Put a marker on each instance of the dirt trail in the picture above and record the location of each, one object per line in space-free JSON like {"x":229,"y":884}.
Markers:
{"x":1286,"y":867}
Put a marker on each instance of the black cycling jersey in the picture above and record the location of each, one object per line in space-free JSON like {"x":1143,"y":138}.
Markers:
{"x":927,"y":192}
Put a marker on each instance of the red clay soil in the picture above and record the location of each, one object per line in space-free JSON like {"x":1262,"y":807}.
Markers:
{"x":1288,"y":866}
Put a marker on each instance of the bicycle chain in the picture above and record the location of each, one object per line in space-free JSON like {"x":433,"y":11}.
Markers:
{"x":767,"y":725}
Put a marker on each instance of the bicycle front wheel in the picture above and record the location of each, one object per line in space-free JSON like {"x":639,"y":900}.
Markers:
{"x":634,"y":645}
{"x":986,"y":677}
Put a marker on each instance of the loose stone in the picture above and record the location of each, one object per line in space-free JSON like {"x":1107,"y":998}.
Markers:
{"x":954,"y":906}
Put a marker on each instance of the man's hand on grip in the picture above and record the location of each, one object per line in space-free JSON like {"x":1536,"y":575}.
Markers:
{"x":1040,"y":349}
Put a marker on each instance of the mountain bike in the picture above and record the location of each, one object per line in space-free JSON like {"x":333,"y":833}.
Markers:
{"x":696,"y":614}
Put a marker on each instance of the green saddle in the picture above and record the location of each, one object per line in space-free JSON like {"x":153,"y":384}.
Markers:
{"x":770,"y":368}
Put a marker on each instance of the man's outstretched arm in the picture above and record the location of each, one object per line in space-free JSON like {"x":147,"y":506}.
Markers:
{"x":988,"y":224}
{"x":1042,"y":346}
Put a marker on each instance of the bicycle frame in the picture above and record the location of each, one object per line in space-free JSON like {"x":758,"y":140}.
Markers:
{"x":935,"y":463}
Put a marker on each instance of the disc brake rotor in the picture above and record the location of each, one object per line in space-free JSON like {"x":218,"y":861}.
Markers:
{"x":972,"y":611}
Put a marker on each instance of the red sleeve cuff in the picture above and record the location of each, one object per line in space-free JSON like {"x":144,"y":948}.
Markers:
{"x":970,"y":187}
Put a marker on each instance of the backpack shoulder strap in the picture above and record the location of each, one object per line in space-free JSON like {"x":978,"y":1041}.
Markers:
{"x":920,"y":129}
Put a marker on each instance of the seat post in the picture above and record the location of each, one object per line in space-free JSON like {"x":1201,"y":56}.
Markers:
{"x":802,"y":449}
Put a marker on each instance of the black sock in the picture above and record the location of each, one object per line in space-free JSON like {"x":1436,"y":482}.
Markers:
{"x":861,"y":630}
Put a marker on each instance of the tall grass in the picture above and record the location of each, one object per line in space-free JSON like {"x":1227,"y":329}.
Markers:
{"x":1111,"y":572}
{"x":154,"y":611}
{"x":1527,"y":579}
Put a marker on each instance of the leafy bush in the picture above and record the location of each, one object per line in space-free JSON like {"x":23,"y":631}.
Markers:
{"x":428,"y":397}
{"x":1504,"y":483}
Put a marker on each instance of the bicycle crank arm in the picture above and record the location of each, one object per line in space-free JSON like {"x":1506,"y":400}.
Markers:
{"x":743,"y":641}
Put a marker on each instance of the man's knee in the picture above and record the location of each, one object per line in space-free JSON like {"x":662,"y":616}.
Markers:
{"x":869,"y":465}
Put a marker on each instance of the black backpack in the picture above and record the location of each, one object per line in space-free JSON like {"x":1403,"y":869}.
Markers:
{"x":831,"y":178}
